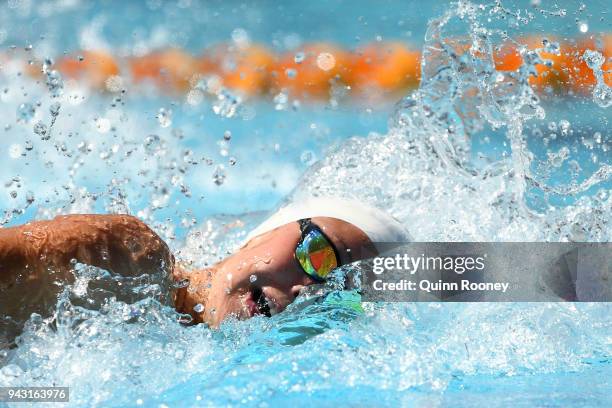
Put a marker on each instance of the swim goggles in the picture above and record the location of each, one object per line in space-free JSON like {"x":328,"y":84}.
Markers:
{"x":315,"y":253}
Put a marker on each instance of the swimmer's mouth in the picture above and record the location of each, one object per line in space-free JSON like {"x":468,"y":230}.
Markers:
{"x":258,"y":304}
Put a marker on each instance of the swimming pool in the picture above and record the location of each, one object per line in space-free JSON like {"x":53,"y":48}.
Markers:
{"x":191,"y":171}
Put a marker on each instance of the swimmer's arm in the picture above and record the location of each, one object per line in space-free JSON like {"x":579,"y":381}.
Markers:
{"x":12,"y":256}
{"x":119,"y":243}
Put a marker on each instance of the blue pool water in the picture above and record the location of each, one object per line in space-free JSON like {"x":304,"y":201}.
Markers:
{"x":327,"y":347}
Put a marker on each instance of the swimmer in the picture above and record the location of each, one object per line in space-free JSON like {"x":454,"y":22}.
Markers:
{"x":297,"y":246}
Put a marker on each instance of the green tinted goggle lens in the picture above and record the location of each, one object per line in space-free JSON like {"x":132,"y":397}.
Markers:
{"x":316,"y":255}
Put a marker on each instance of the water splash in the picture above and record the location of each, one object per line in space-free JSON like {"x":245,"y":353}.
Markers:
{"x":110,"y":338}
{"x":602,"y":93}
{"x":426,"y":166}
{"x":414,"y":347}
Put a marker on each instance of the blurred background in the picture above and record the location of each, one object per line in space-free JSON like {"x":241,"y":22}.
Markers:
{"x":244,"y":95}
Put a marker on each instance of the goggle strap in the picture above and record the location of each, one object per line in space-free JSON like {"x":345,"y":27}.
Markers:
{"x":304,"y":224}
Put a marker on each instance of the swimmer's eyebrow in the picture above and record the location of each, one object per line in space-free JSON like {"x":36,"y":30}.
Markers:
{"x":342,"y":248}
{"x":338,"y":243}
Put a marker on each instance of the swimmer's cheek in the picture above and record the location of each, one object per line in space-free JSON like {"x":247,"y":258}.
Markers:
{"x":195,"y":293}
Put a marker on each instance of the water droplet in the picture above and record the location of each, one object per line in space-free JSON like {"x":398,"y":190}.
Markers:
{"x":602,"y":95}
{"x":199,"y":308}
{"x":280,"y":101}
{"x":291,"y":73}
{"x":564,"y":125}
{"x":252,"y":278}
{"x":583,"y":26}
{"x":219,"y":175}
{"x":183,"y":283}
{"x":593,"y":59}
{"x":308,"y":157}
{"x":114,"y":83}
{"x":226,"y":104}
{"x":185,"y":319}
{"x":266,"y":260}
{"x":326,"y":61}
{"x":223,"y":148}
{"x":299,"y":57}
{"x":42,"y":130}
{"x":47,"y":63}
{"x":232,"y":161}
{"x":227,"y":135}
{"x":195,"y":97}
{"x":55,"y":84}
{"x":164,"y":117}
{"x":551,"y":47}
{"x":25,"y":112}
{"x":152,"y":143}
{"x":54,"y":109}
{"x":597,"y":137}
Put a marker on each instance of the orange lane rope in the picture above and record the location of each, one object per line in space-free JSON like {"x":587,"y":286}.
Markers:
{"x":381,"y":69}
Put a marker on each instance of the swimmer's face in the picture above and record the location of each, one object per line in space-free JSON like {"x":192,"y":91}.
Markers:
{"x":263,"y":277}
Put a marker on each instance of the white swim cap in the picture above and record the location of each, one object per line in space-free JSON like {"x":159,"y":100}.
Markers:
{"x":376,"y":224}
